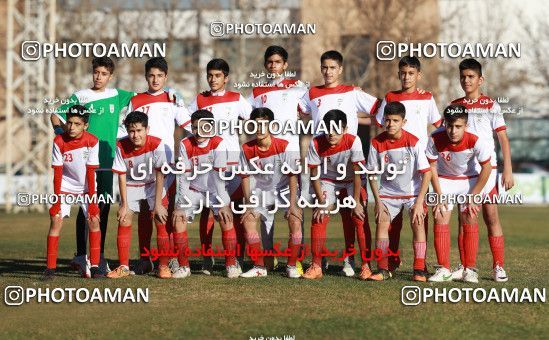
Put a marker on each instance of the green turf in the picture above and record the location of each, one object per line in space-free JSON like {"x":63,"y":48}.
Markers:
{"x":216,"y":307}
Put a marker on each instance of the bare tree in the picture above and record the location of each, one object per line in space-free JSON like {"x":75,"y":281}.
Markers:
{"x":536,"y":34}
{"x":491,"y":25}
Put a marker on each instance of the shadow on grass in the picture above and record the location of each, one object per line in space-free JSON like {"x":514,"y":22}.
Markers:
{"x":34,"y":268}
{"x":31,"y":268}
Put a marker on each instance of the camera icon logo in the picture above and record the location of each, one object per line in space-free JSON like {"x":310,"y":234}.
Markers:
{"x":386,"y":50}
{"x":30,"y":50}
{"x":14,"y":295}
{"x":431,"y":199}
{"x":23,"y":199}
{"x":205,"y":128}
{"x":410,"y":295}
{"x":217,"y":29}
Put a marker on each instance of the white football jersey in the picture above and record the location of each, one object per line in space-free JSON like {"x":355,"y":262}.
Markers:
{"x":348,"y":99}
{"x":284,"y":99}
{"x":225,"y":106}
{"x":406,"y":156}
{"x":75,"y":155}
{"x":484,"y":118}
{"x":327,"y":157}
{"x":198,"y":156}
{"x":163,"y":115}
{"x":457,"y":161}
{"x":278,"y":154}
{"x":139,"y":165}
{"x":421,"y":110}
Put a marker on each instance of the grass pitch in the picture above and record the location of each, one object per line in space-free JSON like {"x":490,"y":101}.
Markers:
{"x":215,"y":307}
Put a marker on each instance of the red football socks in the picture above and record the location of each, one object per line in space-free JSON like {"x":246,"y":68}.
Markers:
{"x":442,"y":244}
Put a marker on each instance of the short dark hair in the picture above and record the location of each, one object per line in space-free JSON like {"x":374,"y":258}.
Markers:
{"x":275,"y":49}
{"x":262,"y":112}
{"x":156,"y":62}
{"x":334,"y":55}
{"x":218,"y":64}
{"x":136,"y":117}
{"x":79,"y":111}
{"x":103,"y":61}
{"x":455,"y":112}
{"x":410,"y":61}
{"x":337,"y":116}
{"x":471,"y":64}
{"x":201,"y":114}
{"x":395,"y":108}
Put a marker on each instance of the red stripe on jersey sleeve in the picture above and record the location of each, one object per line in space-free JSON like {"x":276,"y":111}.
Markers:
{"x":437,"y":123}
{"x":431,"y":160}
{"x":57,"y":179}
{"x":377,"y":123}
{"x":501,"y":128}
{"x":118,"y":171}
{"x":424,"y":170}
{"x":376,"y":105}
{"x":486,"y":161}
{"x":58,"y":140}
{"x":185,"y":124}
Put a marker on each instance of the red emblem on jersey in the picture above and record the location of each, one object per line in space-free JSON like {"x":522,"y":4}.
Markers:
{"x":445,"y":156}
